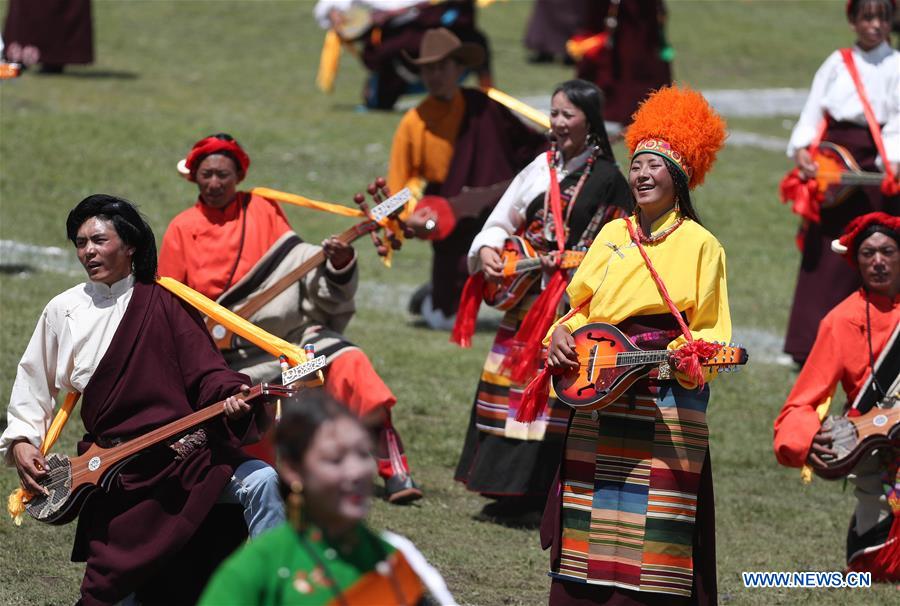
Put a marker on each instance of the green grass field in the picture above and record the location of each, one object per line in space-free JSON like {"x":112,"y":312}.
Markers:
{"x":169,"y":72}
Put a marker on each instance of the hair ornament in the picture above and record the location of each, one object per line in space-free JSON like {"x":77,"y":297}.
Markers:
{"x":677,"y":123}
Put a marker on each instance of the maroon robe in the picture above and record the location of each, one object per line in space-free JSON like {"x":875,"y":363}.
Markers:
{"x":52,"y":32}
{"x":160,"y":366}
{"x":552,"y":23}
{"x":492,"y":146}
{"x":391,"y":74}
{"x":633,"y":68}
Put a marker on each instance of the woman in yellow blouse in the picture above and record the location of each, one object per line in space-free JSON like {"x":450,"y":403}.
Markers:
{"x":632,"y":519}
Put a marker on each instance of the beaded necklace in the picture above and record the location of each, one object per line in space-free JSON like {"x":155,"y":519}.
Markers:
{"x":657,"y":237}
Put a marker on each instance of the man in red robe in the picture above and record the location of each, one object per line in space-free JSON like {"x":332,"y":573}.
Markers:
{"x":232,"y":245}
{"x":850,"y":339}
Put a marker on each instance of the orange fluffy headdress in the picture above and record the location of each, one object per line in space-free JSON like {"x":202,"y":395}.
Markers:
{"x":678,"y":124}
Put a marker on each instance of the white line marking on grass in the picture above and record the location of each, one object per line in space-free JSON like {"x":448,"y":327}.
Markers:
{"x":45,"y":258}
{"x":737,"y":103}
{"x":764,"y":346}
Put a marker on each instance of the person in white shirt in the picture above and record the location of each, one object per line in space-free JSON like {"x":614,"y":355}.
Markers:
{"x":512,"y":462}
{"x":140,"y":359}
{"x":834,"y":104}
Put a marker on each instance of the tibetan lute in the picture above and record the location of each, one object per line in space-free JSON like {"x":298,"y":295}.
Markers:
{"x":70,"y":480}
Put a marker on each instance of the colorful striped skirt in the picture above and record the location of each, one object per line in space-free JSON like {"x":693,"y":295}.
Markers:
{"x":501,"y":456}
{"x":629,"y":491}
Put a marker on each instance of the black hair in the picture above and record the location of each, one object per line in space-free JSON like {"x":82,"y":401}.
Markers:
{"x":587,"y":97}
{"x":682,"y":192}
{"x":868,"y":232}
{"x":301,"y":418}
{"x":129,"y":224}
{"x":882,"y":6}
{"x":223,"y":152}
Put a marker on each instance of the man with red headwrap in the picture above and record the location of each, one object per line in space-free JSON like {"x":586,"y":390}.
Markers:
{"x":232,"y":245}
{"x":850,"y":339}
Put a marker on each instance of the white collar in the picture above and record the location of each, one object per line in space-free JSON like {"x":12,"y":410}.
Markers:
{"x":100,"y":291}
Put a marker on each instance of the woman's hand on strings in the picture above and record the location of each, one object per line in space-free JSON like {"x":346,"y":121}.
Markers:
{"x":821,"y":446}
{"x":805,"y":164}
{"x":235,"y":406}
{"x":561,"y":354}
{"x":31,"y":466}
{"x":549,"y":263}
{"x":491,"y":263}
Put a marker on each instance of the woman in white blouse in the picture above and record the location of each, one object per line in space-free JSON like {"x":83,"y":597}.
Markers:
{"x":834,"y":104}
{"x":502,"y":458}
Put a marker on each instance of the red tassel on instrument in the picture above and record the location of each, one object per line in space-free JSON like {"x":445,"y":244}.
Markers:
{"x":890,"y":186}
{"x":534,"y":398}
{"x":523,"y":359}
{"x":467,"y":314}
{"x":689,"y":359}
{"x":803,"y":194}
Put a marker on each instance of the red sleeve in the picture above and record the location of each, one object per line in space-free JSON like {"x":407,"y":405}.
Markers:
{"x":798,"y":421}
{"x":172,"y":256}
{"x":279,"y":220}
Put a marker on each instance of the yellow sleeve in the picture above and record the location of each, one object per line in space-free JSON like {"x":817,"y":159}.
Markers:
{"x":586,"y":281}
{"x":710,"y":319}
{"x":402,"y":168}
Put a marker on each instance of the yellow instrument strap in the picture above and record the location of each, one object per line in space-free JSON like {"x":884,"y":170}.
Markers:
{"x":329,"y":61}
{"x":329,"y":207}
{"x":535,"y":115}
{"x":806,"y":473}
{"x":233,"y":322}
{"x":15,"y":504}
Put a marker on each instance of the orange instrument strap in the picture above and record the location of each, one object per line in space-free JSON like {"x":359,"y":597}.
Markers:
{"x":874,"y":128}
{"x":15,"y":504}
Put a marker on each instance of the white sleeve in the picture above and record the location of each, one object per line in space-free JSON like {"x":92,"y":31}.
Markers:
{"x":508,"y":216}
{"x":807,"y":126}
{"x":34,"y":391}
{"x":891,"y":131}
{"x":324,"y":7}
{"x":429,"y":575}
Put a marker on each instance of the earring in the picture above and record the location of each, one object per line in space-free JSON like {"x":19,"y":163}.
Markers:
{"x":295,"y":505}
{"x":677,"y":206}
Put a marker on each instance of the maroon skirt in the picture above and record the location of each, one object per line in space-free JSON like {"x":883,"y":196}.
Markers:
{"x":825,"y":278}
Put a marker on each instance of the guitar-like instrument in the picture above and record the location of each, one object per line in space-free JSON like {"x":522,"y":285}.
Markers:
{"x":389,"y":207}
{"x":609,"y":363}
{"x":521,"y":268}
{"x":856,"y":437}
{"x":877,"y":426}
{"x":70,"y":480}
{"x":839,"y":174}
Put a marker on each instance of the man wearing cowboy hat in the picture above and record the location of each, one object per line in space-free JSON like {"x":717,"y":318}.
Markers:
{"x":458,"y":149}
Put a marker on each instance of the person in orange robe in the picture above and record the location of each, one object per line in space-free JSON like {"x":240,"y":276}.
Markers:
{"x":233,"y":245}
{"x":850,"y":339}
{"x":461,"y":149}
